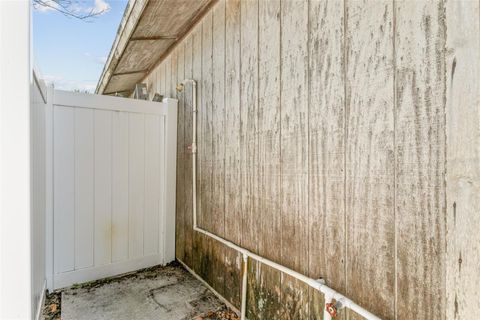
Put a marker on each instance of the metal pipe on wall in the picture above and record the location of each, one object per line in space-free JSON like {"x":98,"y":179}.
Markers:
{"x":331,"y":295}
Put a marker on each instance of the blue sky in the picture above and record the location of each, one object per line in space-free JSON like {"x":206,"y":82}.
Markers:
{"x":71,"y":53}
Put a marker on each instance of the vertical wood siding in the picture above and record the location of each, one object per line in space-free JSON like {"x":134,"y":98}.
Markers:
{"x":294,"y":121}
{"x":188,"y":136}
{"x":463,"y":159}
{"x":369,"y":164}
{"x":217,"y":210}
{"x":326,"y":149}
{"x":181,"y":155}
{"x":321,"y":140}
{"x":233,"y":147}
{"x":199,"y":240}
{"x":420,"y":158}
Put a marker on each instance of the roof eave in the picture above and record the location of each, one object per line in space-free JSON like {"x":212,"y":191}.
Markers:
{"x":127,"y":26}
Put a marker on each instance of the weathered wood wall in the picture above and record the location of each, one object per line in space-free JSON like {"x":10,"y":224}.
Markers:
{"x":463,"y":159}
{"x":322,"y":146}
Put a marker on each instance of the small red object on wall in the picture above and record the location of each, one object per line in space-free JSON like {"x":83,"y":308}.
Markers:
{"x":331,"y":309}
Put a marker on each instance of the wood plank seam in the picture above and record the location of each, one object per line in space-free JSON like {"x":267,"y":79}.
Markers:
{"x":394,"y":26}
{"x":345,"y":136}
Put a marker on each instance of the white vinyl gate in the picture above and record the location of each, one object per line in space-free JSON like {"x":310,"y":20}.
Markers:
{"x":113,"y":166}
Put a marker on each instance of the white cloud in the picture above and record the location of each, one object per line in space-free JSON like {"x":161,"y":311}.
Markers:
{"x":101,"y":6}
{"x":61,"y":83}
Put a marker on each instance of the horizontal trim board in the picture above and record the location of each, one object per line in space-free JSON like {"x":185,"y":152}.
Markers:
{"x":103,"y":102}
{"x":128,"y":92}
{"x":117,"y":92}
{"x":129,"y":72}
{"x":154,"y":38}
{"x":66,"y":279}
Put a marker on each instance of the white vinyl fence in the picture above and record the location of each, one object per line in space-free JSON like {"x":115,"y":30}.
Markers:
{"x":113,"y":186}
{"x":38,"y":105}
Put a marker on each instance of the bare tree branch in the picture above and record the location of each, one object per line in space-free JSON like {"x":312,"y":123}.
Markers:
{"x":68,"y":8}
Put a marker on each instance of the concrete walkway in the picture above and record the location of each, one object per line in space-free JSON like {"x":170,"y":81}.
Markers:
{"x":158,"y":293}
